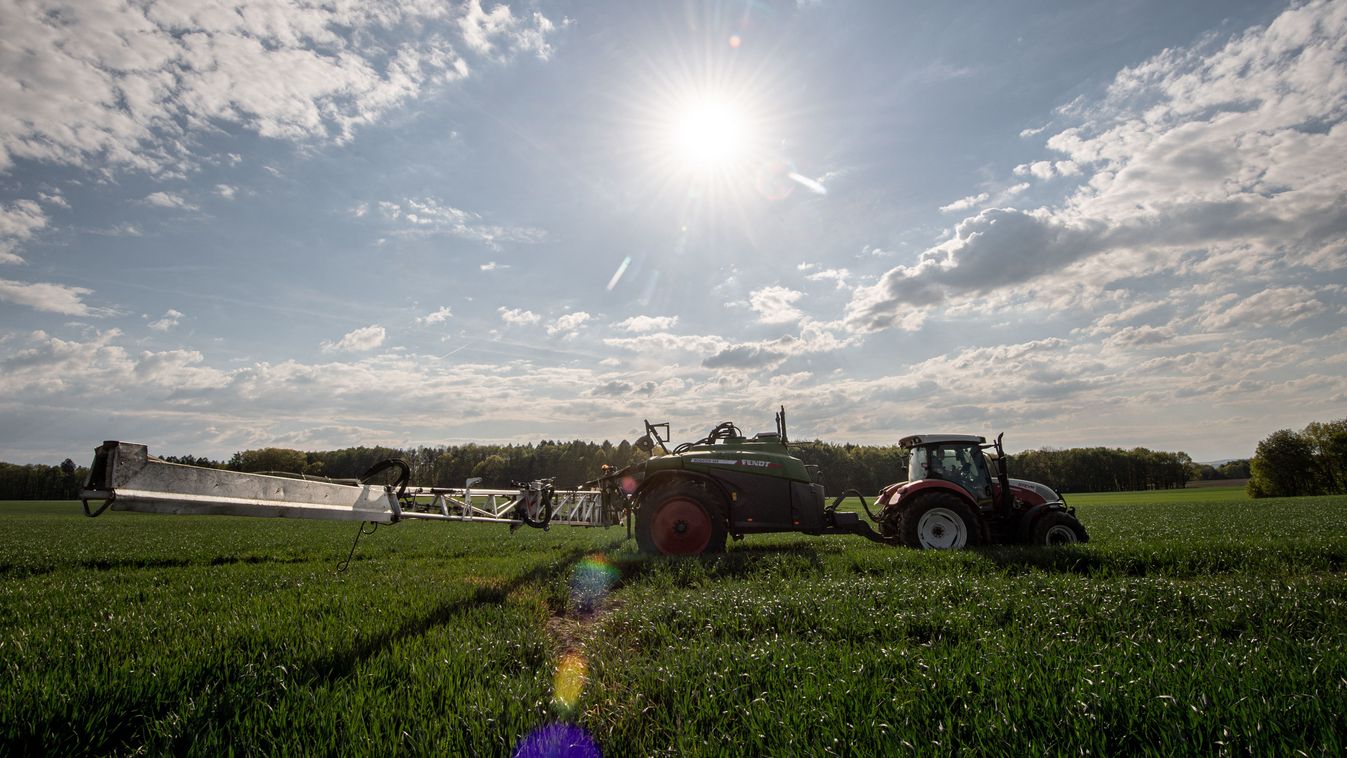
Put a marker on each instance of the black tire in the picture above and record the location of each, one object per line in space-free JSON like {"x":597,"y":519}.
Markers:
{"x":680,"y":519}
{"x":1057,"y":528}
{"x":939,"y":521}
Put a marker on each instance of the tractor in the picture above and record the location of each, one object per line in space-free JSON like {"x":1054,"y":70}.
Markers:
{"x":958,"y":493}
{"x":690,"y":499}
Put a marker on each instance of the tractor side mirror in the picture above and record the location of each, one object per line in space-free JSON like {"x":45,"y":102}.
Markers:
{"x":645,"y":444}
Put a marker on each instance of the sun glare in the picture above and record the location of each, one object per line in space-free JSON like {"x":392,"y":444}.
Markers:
{"x":710,"y":135}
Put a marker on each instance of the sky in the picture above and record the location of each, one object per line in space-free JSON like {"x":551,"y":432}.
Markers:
{"x":316,"y":225}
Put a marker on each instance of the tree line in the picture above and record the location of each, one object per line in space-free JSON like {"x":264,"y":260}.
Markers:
{"x":1103,"y":469}
{"x":1312,"y":461}
{"x":36,"y":481}
{"x":866,"y":468}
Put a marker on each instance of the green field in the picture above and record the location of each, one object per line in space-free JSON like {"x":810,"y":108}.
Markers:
{"x":1191,"y":624}
{"x":1184,"y":496}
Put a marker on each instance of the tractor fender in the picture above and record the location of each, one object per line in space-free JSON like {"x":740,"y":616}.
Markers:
{"x":1025,"y":527}
{"x":911,"y":489}
{"x":662,"y":478}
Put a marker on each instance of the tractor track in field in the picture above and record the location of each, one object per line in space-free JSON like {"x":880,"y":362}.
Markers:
{"x":569,"y":631}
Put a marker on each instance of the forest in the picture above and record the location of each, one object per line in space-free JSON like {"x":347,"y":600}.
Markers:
{"x":867,"y":468}
{"x":1312,"y":461}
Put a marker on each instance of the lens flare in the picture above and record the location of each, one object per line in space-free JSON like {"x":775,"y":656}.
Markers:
{"x":807,"y":183}
{"x":629,"y":485}
{"x":617,"y":275}
{"x":591,"y":580}
{"x":558,"y":741}
{"x":569,"y":683}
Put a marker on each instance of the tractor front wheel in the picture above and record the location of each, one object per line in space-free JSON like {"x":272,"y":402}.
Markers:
{"x":680,"y":519}
{"x":1058,"y":528}
{"x":939,"y":521}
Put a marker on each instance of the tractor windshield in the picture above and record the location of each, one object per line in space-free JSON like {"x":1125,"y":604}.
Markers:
{"x":961,"y":464}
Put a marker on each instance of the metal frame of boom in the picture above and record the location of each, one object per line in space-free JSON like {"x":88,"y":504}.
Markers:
{"x":124,"y":477}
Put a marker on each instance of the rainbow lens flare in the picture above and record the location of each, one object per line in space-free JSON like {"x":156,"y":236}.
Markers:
{"x":591,"y":580}
{"x":558,"y":741}
{"x":569,"y":683}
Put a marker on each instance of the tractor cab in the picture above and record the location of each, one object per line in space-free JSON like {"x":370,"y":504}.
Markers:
{"x":954,"y":458}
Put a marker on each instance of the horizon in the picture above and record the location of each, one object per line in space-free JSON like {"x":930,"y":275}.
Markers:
{"x":318,"y":228}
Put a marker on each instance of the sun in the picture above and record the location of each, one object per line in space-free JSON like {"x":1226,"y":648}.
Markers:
{"x":710,"y":135}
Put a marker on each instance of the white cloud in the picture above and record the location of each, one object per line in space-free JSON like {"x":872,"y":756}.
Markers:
{"x":643,"y":324}
{"x":964,"y":203}
{"x":170,"y":319}
{"x":178,"y":369}
{"x":838,"y":276}
{"x":663,"y":344}
{"x":815,"y":337}
{"x":19,"y":221}
{"x":226,"y":191}
{"x":517,"y":316}
{"x":568,"y":324}
{"x":54,"y":198}
{"x":1137,"y":336}
{"x":120,"y":230}
{"x":169,"y":200}
{"x":1047,"y":169}
{"x":440,"y":315}
{"x":1284,"y":306}
{"x":49,"y":297}
{"x":498,"y":33}
{"x":1224,"y":163}
{"x":358,"y":340}
{"x":129,"y":84}
{"x":430,"y":216}
{"x":774,"y":305}
{"x":492,"y":266}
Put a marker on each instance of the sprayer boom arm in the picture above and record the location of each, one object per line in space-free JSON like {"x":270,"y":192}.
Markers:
{"x":125,"y":477}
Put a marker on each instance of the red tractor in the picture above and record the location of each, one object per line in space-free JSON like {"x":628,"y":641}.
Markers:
{"x":958,"y":494}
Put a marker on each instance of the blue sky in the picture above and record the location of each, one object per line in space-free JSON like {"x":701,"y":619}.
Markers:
{"x":252,"y":223}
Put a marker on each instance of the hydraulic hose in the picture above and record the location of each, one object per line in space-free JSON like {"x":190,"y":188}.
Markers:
{"x":404,"y":473}
{"x":545,"y":495}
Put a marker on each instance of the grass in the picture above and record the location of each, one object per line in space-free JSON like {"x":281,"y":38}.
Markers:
{"x":1206,"y":625}
{"x":1179,"y":496}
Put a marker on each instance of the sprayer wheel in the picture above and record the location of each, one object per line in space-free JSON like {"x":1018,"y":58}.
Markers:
{"x":680,"y":519}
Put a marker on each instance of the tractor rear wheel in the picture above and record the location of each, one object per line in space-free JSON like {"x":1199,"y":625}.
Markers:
{"x":939,"y":521}
{"x":680,"y":519}
{"x":1058,"y":528}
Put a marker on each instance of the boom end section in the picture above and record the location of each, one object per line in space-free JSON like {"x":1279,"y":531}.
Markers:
{"x":125,"y":477}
